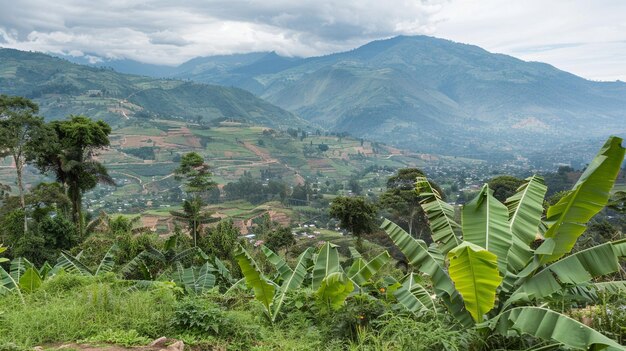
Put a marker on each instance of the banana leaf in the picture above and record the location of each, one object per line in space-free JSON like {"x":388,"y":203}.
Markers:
{"x":326,"y":263}
{"x":334,"y":290}
{"x":263,"y":290}
{"x":474,"y":272}
{"x":284,"y":271}
{"x":108,"y":261}
{"x":414,"y":297}
{"x":30,"y":280}
{"x":292,"y":282}
{"x":575,"y":269}
{"x":366,"y":271}
{"x":550,"y":325}
{"x":71,"y":264}
{"x":430,"y":262}
{"x":485,"y":223}
{"x":567,"y":218}
{"x":440,"y":216}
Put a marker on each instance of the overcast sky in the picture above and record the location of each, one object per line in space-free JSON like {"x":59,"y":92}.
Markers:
{"x":584,"y":37}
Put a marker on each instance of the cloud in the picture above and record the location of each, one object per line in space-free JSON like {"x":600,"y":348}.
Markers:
{"x":586,"y":38}
{"x":166,"y":32}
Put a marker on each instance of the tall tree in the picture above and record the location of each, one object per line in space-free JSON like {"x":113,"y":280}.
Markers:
{"x":196,"y":177}
{"x":72,"y":159}
{"x":195,"y":174}
{"x":404,"y":203}
{"x":19,"y":128}
{"x":355,"y":214}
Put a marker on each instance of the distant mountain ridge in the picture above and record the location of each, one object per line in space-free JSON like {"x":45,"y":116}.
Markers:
{"x":426,"y":94}
{"x":62,"y":88}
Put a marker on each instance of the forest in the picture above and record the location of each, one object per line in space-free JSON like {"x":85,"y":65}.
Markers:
{"x":534,"y":263}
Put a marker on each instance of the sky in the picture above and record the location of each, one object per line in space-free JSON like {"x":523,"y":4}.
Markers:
{"x":587,"y":38}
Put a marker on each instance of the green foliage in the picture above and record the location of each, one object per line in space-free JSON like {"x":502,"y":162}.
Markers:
{"x":195,"y":173}
{"x":397,"y":332}
{"x":220,"y":241}
{"x":20,"y":134}
{"x":504,"y":186}
{"x":474,"y":272}
{"x":84,"y":311}
{"x":358,"y":313}
{"x":588,"y":196}
{"x":485,"y":223}
{"x":404,"y":203}
{"x":263,"y":289}
{"x":280,"y":238}
{"x":440,"y":215}
{"x":334,"y":290}
{"x":30,"y":280}
{"x":487,"y":231}
{"x":70,"y":157}
{"x":199,"y":317}
{"x":355,"y":214}
{"x":2,"y":249}
{"x":326,"y":263}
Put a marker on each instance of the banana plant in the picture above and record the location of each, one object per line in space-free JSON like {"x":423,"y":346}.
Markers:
{"x":270,"y":294}
{"x":72,"y":264}
{"x":320,"y":272}
{"x":195,"y":280}
{"x":169,"y":256}
{"x":23,"y":277}
{"x":493,"y":279}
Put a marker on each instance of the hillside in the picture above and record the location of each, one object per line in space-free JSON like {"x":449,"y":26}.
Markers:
{"x":144,"y":154}
{"x":427,"y":94}
{"x":62,"y":88}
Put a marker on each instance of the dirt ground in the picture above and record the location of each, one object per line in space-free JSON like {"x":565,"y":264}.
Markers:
{"x":161,"y":344}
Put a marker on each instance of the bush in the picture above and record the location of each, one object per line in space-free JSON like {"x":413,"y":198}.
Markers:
{"x":198,"y":319}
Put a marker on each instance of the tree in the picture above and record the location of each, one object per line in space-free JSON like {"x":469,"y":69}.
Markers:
{"x":71,"y":158}
{"x":221,"y":241}
{"x":193,"y":215}
{"x":194,"y":173}
{"x":354,"y":186}
{"x":494,"y":256}
{"x":355,"y":214}
{"x":504,"y":186}
{"x":279,"y":238}
{"x":19,"y":129}
{"x":404,"y":203}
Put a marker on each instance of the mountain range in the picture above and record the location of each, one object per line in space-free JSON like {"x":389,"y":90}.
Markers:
{"x":416,"y":92}
{"x":62,"y":88}
{"x":426,"y":94}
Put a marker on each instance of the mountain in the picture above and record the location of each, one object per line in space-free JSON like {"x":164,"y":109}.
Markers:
{"x":427,"y":94}
{"x":62,"y":88}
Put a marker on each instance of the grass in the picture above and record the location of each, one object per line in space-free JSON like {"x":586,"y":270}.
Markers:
{"x":73,"y":309}
{"x":69,"y":308}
